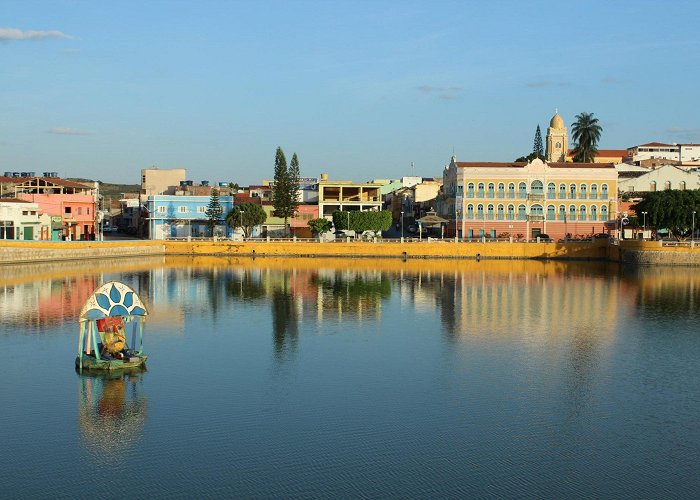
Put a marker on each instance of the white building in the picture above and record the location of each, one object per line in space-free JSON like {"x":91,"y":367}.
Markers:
{"x":21,"y":220}
{"x":684,"y":153}
{"x":658,"y":179}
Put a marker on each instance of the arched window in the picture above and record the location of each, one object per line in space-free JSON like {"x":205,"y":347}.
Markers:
{"x":551,"y":212}
{"x":604,"y":191}
{"x":470,"y":211}
{"x":572,"y":191}
{"x":584,"y":192}
{"x":603,"y":212}
{"x":522,"y":190}
{"x":572,"y":212}
{"x":681,"y":186}
{"x":562,"y":191}
{"x":522,"y":215}
{"x":536,"y":211}
{"x":551,"y":190}
{"x":582,"y":212}
{"x":594,"y":191}
{"x":492,"y":188}
{"x":594,"y":212}
{"x":511,"y":212}
{"x":499,"y":214}
{"x":511,"y":190}
{"x":480,"y":212}
{"x":536,"y":187}
{"x":562,"y":212}
{"x":667,"y":185}
{"x":501,"y":190}
{"x":489,"y":212}
{"x":480,"y":190}
{"x":470,"y":190}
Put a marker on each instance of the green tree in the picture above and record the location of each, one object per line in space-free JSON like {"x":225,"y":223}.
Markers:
{"x":214,"y":211}
{"x":362,"y":221}
{"x":538,"y":148}
{"x":320,"y":225}
{"x":526,"y":159}
{"x":586,"y":133}
{"x":670,"y":209}
{"x":294,"y":177}
{"x":285,"y":189}
{"x":246,"y":216}
{"x":233,"y":187}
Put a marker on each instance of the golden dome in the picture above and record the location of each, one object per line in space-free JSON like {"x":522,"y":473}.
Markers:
{"x":556,"y":121}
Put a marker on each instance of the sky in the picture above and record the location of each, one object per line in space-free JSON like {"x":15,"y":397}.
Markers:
{"x":359,"y":90}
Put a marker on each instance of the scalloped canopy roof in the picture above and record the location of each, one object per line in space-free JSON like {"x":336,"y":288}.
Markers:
{"x":112,"y":299}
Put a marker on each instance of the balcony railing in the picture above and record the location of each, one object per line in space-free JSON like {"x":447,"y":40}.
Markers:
{"x":536,"y":196}
{"x":535,"y":217}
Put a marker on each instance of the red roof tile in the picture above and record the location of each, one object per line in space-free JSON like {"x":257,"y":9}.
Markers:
{"x":655,"y":144}
{"x":489,"y":164}
{"x":580,"y":165}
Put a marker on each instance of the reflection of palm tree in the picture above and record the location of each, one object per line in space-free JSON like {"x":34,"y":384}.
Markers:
{"x":586,"y":134}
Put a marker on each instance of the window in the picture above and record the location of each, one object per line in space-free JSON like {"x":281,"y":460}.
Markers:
{"x":572,"y":191}
{"x":88,"y":210}
{"x":604,"y":191}
{"x":562,"y":212}
{"x":80,"y":210}
{"x":583,"y":192}
{"x":160,"y":209}
{"x":681,"y":186}
{"x":182,"y":209}
{"x":551,"y":190}
{"x":501,"y":190}
{"x":32,"y":212}
{"x":536,"y":211}
{"x":562,"y":191}
{"x":511,"y":212}
{"x":480,"y":190}
{"x":511,"y":190}
{"x":489,"y":212}
{"x":480,"y":212}
{"x":25,"y":212}
{"x":603,"y":213}
{"x":470,"y":211}
{"x":492,"y":189}
{"x":201,"y":210}
{"x":537,"y":187}
{"x":522,"y":190}
{"x":499,"y":215}
{"x":67,"y":210}
{"x":667,"y":185}
{"x":594,"y":191}
{"x":551,"y":212}
{"x":582,"y":212}
{"x":522,"y":215}
{"x":594,"y":212}
{"x":572,"y":212}
{"x":470,"y":190}
{"x":460,"y":190}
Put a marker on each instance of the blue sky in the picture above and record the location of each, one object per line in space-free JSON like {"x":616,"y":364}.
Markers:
{"x":358,"y":89}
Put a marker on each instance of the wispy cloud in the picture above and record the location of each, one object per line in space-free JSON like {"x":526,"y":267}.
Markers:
{"x":11,"y":34}
{"x":447,"y":93}
{"x":688,"y":134}
{"x":67,"y":131}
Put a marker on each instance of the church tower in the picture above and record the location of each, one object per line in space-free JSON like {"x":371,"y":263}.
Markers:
{"x":557,"y":140}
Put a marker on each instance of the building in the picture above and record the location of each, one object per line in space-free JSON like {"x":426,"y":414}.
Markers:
{"x":21,"y":220}
{"x":557,"y":143}
{"x":347,"y":195}
{"x":524,"y":200}
{"x":71,"y":205}
{"x":681,"y":153}
{"x":161,"y":181}
{"x":415,"y":201}
{"x":172,"y":216}
{"x":604,"y":156}
{"x":662,"y":178}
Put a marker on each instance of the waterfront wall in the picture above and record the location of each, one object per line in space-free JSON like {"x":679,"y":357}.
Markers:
{"x":12,"y":252}
{"x":631,"y":252}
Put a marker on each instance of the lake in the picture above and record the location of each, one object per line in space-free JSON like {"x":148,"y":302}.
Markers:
{"x":304,"y":378}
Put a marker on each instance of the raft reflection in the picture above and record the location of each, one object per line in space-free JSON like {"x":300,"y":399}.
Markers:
{"x":111,"y":411}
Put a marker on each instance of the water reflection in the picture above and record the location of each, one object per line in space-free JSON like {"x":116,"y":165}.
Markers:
{"x":111,"y":411}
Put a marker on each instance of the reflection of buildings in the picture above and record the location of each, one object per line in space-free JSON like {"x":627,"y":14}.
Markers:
{"x":111,"y":411}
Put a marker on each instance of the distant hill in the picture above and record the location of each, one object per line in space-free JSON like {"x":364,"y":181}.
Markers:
{"x":112,"y":190}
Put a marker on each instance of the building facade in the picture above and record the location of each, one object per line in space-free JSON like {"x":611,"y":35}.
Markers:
{"x":659,"y":179}
{"x":525,"y":200}
{"x":21,"y":220}
{"x":346,"y":196}
{"x":156,"y":181}
{"x":184,"y":216}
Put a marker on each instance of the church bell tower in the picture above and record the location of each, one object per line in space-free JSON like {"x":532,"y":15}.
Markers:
{"x":557,"y":140}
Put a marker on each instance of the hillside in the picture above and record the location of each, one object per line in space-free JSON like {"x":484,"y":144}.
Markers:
{"x":112,"y":190}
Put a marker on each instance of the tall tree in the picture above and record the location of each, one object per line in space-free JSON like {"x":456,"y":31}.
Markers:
{"x":538,"y":147}
{"x":280,"y":190}
{"x":294,"y":178}
{"x":586,"y":133}
{"x":670,"y":209}
{"x":214,"y":211}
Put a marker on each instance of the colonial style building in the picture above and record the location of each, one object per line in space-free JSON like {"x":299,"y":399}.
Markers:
{"x":524,"y":200}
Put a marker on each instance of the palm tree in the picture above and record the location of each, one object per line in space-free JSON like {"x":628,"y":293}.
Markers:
{"x":586,"y":134}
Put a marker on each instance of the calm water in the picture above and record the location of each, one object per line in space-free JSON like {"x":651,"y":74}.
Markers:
{"x":358,"y":378}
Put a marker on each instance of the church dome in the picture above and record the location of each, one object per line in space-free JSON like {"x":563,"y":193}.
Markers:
{"x":556,"y":121}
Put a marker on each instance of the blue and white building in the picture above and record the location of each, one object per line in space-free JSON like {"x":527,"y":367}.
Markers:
{"x":171,"y":216}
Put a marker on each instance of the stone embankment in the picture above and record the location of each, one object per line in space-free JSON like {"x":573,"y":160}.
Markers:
{"x":632,"y":252}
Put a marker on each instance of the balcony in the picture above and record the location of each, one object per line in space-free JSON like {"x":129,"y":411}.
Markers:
{"x":536,"y":197}
{"x":535,"y":217}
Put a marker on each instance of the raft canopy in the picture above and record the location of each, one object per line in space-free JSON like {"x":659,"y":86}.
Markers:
{"x":112,"y":299}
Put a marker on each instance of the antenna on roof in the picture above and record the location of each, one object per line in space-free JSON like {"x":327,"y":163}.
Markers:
{"x":413,"y":170}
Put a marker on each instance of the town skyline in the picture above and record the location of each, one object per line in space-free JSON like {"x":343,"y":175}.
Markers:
{"x":359,"y":91}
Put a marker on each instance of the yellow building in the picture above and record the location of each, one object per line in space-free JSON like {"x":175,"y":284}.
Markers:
{"x":524,"y":200}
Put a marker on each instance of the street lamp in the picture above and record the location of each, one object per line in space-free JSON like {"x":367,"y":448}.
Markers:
{"x":402,"y":224}
{"x":644,"y":214}
{"x":692,"y":233}
{"x":348,"y":220}
{"x":242,"y":230}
